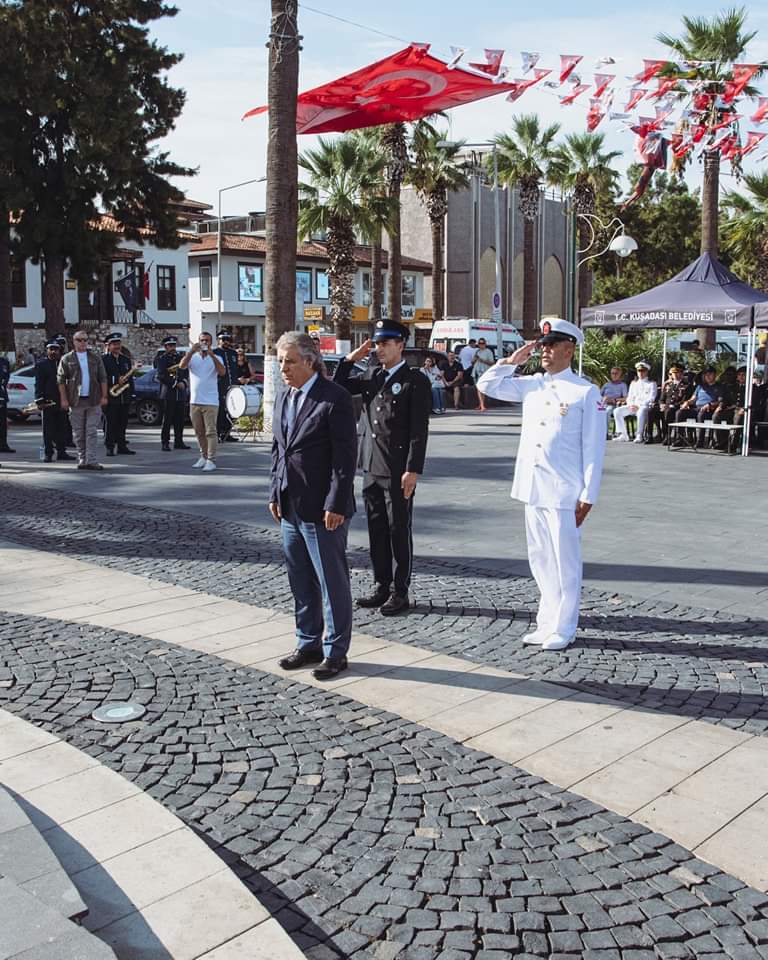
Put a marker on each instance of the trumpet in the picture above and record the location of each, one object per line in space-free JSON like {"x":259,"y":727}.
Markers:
{"x":37,"y":405}
{"x":123,"y":382}
{"x":174,"y":369}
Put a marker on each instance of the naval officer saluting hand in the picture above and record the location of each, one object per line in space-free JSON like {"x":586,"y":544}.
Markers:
{"x":557,"y":473}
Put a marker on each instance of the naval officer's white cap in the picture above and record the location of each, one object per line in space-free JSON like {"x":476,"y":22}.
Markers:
{"x":642,"y":365}
{"x":554,"y":329}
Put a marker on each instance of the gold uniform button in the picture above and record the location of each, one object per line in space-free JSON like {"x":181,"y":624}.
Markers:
{"x":543,"y":423}
{"x":538,"y":445}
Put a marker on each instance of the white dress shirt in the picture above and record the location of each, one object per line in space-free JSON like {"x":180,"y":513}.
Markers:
{"x":85,"y":374}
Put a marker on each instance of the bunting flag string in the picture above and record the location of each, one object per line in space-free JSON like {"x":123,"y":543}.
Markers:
{"x":762,"y":110}
{"x":568,"y":63}
{"x":576,"y":92}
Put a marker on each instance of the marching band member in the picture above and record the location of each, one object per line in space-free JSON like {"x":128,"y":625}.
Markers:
{"x":49,"y":403}
{"x":117,"y":366}
{"x":174,"y":392}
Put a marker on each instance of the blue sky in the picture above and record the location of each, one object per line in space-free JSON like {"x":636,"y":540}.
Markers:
{"x":224,"y":69}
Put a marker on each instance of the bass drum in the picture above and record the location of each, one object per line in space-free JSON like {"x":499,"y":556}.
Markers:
{"x":244,"y":401}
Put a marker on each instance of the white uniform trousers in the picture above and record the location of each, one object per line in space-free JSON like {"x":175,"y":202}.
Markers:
{"x":554,"y":555}
{"x":621,"y":413}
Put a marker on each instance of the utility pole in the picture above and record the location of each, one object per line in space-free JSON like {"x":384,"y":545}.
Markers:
{"x":282,"y":190}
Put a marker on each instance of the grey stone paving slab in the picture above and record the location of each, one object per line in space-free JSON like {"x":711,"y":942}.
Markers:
{"x":368,"y":836}
{"x":654,"y":654}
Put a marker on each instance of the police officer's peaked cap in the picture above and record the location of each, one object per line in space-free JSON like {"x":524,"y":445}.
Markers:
{"x":170,"y":340}
{"x":61,"y":339}
{"x":642,"y":365}
{"x":390,"y":330}
{"x":224,"y":335}
{"x":114,"y":338}
{"x":556,"y":330}
{"x":53,"y":345}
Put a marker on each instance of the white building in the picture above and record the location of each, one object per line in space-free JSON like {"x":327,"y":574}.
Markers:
{"x":243,"y":307}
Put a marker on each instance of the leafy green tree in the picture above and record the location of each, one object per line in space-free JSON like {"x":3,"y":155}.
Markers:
{"x":745,"y":230}
{"x":524,"y":157}
{"x":435,"y":173}
{"x":343,"y":198}
{"x":665,"y":222}
{"x":93,"y":88}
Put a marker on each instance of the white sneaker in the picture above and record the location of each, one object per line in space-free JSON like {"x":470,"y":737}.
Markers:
{"x":556,"y":642}
{"x":621,"y":439}
{"x":535,"y":639}
{"x":200,"y":462}
{"x":209,"y":466}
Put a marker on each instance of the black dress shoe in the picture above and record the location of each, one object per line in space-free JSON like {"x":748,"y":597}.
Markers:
{"x":124,"y":451}
{"x":110,"y":452}
{"x":92,"y":466}
{"x":301,"y":658}
{"x":396,"y":604}
{"x":48,"y":459}
{"x":230,"y":439}
{"x":7,"y":450}
{"x":328,"y":669}
{"x":181,"y":446}
{"x":166,"y":447}
{"x":64,"y":456}
{"x":380,"y":595}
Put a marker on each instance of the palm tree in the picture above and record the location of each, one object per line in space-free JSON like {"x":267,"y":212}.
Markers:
{"x":523,"y":160}
{"x":581,"y":167}
{"x":342,"y":199}
{"x":745,"y":231}
{"x":435,"y":174}
{"x":370,"y":139}
{"x":394,"y":140}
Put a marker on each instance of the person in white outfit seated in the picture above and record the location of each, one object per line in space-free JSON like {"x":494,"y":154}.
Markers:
{"x":640,"y":399}
{"x":557,"y":472}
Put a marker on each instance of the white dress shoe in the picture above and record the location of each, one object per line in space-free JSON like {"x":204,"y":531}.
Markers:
{"x":621,"y":439}
{"x":200,"y":462}
{"x":209,"y":466}
{"x":535,"y":638}
{"x":556,"y":641}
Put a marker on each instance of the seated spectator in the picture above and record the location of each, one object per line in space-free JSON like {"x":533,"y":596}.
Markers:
{"x":615,"y":389}
{"x":435,"y":378}
{"x":244,"y":372}
{"x":640,"y":397}
{"x":676,"y":389}
{"x":453,"y":378}
{"x":703,"y":401}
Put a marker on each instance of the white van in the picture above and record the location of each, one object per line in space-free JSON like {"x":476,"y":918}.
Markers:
{"x":446,"y":334}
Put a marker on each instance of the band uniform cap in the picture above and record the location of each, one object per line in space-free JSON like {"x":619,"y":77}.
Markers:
{"x":61,"y":339}
{"x":114,"y":338}
{"x":710,"y":369}
{"x":224,"y":335}
{"x":170,"y":340}
{"x":390,"y":330}
{"x":555,"y":330}
{"x":53,"y":345}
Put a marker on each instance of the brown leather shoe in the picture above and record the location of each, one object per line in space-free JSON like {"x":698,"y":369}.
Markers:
{"x":380,"y":595}
{"x":301,"y":658}
{"x":397,"y":603}
{"x":328,"y":669}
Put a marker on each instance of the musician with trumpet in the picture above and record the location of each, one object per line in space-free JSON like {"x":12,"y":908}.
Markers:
{"x":174,"y":392}
{"x":48,"y":403}
{"x":120,"y":373}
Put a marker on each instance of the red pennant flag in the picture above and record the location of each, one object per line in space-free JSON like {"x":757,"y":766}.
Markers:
{"x":697,"y":132}
{"x":520,"y":86}
{"x":634,"y":98}
{"x":762,"y":110}
{"x":753,"y":139}
{"x":602,"y":80}
{"x":650,"y":69}
{"x":661,"y":114}
{"x":595,"y":114}
{"x":731,"y":118}
{"x":492,"y":63}
{"x":568,"y":62}
{"x":666,"y":84}
{"x":703,"y":101}
{"x":742,"y":74}
{"x":682,"y":149}
{"x":576,"y":92}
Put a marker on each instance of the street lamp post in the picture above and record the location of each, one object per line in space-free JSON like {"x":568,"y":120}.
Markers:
{"x":234,"y":186}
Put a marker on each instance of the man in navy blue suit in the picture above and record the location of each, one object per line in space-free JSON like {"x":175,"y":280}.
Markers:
{"x":314,"y":455}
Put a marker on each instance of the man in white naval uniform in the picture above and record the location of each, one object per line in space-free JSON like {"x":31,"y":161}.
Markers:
{"x":642,"y":393}
{"x":558,"y":469}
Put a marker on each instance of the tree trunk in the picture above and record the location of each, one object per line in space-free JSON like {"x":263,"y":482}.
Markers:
{"x":377,"y":287}
{"x":530,"y":282}
{"x":53,"y":295}
{"x":282,"y":191}
{"x":710,"y":196}
{"x":585,"y":277}
{"x":437,"y":269}
{"x":7,"y":340}
{"x":394,"y":259}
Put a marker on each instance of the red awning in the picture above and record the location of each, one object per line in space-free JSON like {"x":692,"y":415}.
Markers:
{"x":406,"y":86}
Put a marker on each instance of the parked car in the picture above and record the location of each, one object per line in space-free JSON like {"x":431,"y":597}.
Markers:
{"x":147,"y":406}
{"x":256,"y":361}
{"x":21,"y":391}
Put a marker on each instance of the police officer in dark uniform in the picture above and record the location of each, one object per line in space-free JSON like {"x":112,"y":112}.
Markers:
{"x":228,"y":357}
{"x":5,"y":375}
{"x":174,"y":392}
{"x":48,"y":400}
{"x":62,"y":342}
{"x":397,"y":402}
{"x":117,"y":365}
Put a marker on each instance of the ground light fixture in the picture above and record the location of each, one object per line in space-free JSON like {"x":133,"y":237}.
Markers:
{"x":118,"y":712}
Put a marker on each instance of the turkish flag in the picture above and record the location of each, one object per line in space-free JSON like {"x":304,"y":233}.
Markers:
{"x":576,"y":92}
{"x":602,"y":80}
{"x":650,"y":69}
{"x":762,"y":109}
{"x":492,"y":63}
{"x":568,"y":62}
{"x":635,"y":96}
{"x":406,"y":86}
{"x":595,"y":114}
{"x":753,"y":139}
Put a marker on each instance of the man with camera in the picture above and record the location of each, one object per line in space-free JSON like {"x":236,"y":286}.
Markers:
{"x":205,"y":368}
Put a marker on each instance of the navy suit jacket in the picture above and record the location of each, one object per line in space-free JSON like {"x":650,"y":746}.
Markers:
{"x":314,"y":466}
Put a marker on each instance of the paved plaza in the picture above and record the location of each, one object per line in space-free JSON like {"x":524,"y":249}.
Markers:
{"x":455,"y":794}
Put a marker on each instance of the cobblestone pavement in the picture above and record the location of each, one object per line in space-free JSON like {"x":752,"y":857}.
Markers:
{"x":655,"y":655}
{"x":368,"y":836}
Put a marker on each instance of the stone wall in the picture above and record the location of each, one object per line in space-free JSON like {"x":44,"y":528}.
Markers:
{"x":142,"y":342}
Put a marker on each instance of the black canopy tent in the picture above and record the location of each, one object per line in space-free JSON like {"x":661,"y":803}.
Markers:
{"x":704,"y":294}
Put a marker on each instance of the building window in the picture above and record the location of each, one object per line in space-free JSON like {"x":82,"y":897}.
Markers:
{"x":166,"y":288}
{"x":366,"y":301}
{"x":409,"y":290}
{"x":206,"y":287}
{"x":249,"y":285}
{"x":19,"y":282}
{"x":321,"y":285}
{"x":304,"y":285}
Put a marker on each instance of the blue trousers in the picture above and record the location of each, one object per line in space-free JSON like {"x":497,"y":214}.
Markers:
{"x":318,"y":573}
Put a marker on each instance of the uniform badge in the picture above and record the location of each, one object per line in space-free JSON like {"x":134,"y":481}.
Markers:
{"x":396,"y":388}
{"x":563,"y":409}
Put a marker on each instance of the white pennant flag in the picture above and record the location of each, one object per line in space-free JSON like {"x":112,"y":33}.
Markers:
{"x":529,"y":60}
{"x":456,"y":54}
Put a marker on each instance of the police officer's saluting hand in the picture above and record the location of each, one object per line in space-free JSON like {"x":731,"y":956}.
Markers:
{"x":396,"y":405}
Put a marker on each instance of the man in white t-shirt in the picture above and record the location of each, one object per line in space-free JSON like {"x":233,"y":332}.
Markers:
{"x":205,"y":368}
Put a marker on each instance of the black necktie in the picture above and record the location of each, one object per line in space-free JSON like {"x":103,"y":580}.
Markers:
{"x":380,"y":378}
